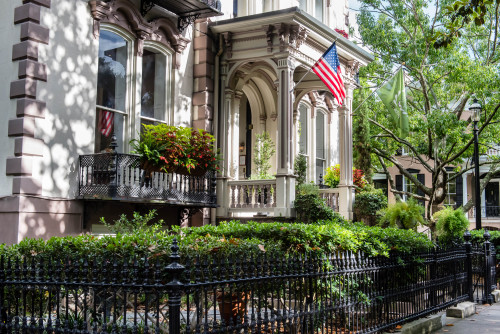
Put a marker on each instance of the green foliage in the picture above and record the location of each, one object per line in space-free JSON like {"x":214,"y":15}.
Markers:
{"x":439,"y":84}
{"x":332,"y":176}
{"x":309,"y":206}
{"x":450,"y":224}
{"x":368,"y":203}
{"x":138,"y":224}
{"x":458,"y":15}
{"x":361,"y":136}
{"x":263,"y":151}
{"x":405,"y":215}
{"x":300,"y":169}
{"x":251,"y":239}
{"x":171,"y":148}
{"x":478,"y":238}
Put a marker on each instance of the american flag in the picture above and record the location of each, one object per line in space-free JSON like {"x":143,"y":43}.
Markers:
{"x":106,"y":122}
{"x":328,"y":70}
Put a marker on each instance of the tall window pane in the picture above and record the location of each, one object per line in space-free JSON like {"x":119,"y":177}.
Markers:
{"x":318,"y":10}
{"x":111,"y":89}
{"x":303,"y":129}
{"x":153,"y":87}
{"x":303,"y":4}
{"x":320,"y":144}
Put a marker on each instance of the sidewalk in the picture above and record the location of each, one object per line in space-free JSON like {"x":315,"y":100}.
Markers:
{"x":487,"y":320}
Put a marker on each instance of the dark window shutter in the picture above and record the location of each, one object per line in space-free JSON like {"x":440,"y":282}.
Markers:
{"x":421,"y":179}
{"x":399,"y":182}
{"x":459,"y":197}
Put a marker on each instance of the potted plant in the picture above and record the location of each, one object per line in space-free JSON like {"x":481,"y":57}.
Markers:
{"x":233,"y":306}
{"x":169,"y":149}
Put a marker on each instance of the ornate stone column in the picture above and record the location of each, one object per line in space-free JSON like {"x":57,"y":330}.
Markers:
{"x":285,"y":180}
{"x":346,"y":194}
{"x":223,"y":144}
{"x":235,"y":135}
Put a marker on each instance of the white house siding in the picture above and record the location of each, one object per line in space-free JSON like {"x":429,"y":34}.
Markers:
{"x":68,"y":129}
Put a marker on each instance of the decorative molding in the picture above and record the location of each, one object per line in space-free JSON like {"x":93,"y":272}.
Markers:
{"x":228,"y":43}
{"x":269,"y":29}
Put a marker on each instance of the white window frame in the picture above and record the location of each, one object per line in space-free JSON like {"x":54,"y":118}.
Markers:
{"x":325,"y":142}
{"x":127,"y":121}
{"x":405,"y":181}
{"x":132,"y":113}
{"x":448,"y":195}
{"x":169,"y":115}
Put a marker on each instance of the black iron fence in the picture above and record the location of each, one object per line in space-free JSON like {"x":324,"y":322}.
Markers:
{"x":313,"y":293}
{"x":120,"y":176}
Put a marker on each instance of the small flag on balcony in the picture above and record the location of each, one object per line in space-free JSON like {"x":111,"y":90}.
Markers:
{"x":328,"y":70}
{"x":107,"y":118}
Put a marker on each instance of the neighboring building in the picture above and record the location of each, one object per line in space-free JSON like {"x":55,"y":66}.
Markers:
{"x":80,"y":71}
{"x":459,"y":190}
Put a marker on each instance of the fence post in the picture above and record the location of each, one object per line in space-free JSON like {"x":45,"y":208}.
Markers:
{"x":468,"y":265}
{"x":487,"y":296}
{"x":175,"y":286}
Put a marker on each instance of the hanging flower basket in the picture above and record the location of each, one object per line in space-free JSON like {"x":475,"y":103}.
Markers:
{"x":172,"y":149}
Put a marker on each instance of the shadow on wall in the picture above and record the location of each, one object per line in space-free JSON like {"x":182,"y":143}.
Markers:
{"x":70,"y":93}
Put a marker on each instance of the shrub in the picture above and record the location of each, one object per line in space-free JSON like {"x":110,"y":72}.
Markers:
{"x":368,"y":203}
{"x":309,"y":206}
{"x":263,"y":152}
{"x":300,"y":169}
{"x":138,"y":224}
{"x":252,"y":239}
{"x":407,"y":215}
{"x":450,"y":224}
{"x":332,"y":177}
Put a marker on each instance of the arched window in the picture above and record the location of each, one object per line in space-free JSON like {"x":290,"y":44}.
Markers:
{"x":111,"y":99}
{"x":320,"y":144}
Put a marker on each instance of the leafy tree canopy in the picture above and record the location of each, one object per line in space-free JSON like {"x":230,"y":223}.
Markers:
{"x":440,"y":83}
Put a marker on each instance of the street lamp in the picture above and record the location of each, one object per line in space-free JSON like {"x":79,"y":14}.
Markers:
{"x":476,"y":116}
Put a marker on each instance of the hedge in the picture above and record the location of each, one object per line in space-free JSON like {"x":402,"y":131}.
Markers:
{"x":276,"y":239}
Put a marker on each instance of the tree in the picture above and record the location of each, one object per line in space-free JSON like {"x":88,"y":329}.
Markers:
{"x":440,"y":83}
{"x":361,"y":134}
{"x":461,"y":13}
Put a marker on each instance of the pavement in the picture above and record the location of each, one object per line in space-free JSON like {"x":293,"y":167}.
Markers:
{"x":486,"y":320}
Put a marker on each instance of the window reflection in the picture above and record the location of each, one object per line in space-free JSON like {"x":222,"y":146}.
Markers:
{"x":111,"y":89}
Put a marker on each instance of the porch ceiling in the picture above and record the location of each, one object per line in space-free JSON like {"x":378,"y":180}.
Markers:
{"x":318,"y":33}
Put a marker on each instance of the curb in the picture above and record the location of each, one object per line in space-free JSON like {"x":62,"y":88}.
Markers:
{"x":425,"y":325}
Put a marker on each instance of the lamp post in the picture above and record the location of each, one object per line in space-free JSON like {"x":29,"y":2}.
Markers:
{"x":476,"y":115}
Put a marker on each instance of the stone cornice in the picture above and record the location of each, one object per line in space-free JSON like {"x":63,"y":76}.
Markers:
{"x":318,"y":33}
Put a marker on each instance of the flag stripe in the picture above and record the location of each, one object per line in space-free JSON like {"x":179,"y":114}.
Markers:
{"x":333,"y":74}
{"x":328,"y":84}
{"x":327,"y":68}
{"x":107,"y":118}
{"x":325,"y":74}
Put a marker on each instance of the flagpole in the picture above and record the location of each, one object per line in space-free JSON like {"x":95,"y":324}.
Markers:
{"x":383,"y":83}
{"x":291,"y":90}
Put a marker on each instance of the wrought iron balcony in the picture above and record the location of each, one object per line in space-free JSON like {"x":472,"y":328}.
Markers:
{"x":115,"y":176}
{"x":187,"y":10}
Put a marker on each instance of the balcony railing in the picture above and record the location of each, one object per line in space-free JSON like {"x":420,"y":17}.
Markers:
{"x":486,"y":212}
{"x":331,"y":197}
{"x":116,"y":176}
{"x":252,"y":195}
